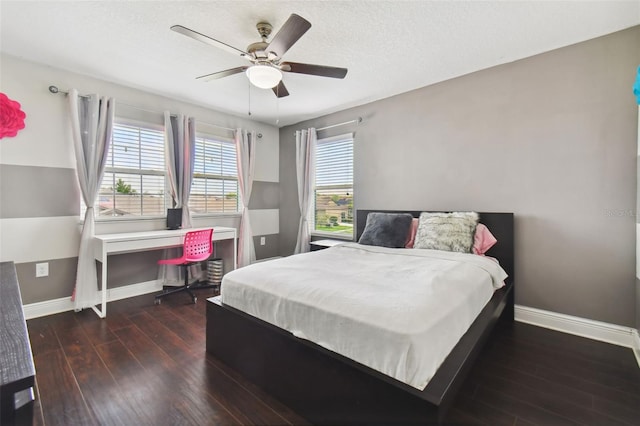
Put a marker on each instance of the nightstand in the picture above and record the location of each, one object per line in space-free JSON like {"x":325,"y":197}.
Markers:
{"x":323,"y":244}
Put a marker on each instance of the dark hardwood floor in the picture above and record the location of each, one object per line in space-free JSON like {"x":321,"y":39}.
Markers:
{"x":146,"y":365}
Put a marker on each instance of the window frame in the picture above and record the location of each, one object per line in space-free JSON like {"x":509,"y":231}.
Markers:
{"x":126,"y":121}
{"x":221,"y":139}
{"x":312,"y":211}
{"x":158,"y":126}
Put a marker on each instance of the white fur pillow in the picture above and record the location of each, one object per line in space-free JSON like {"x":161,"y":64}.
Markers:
{"x":446,"y":231}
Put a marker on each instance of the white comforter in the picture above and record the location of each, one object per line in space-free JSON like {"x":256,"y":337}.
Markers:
{"x":398,"y":311}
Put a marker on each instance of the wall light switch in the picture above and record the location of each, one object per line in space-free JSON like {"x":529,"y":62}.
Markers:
{"x":42,"y":269}
{"x":263,"y":241}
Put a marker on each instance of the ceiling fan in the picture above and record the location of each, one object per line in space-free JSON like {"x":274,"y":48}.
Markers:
{"x":266,"y":57}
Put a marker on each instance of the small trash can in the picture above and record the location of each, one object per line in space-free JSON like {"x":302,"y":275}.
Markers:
{"x":215,"y":270}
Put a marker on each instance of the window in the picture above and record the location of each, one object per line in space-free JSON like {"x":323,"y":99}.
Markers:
{"x":134,"y":178}
{"x":215,"y":177}
{"x":333,"y":195}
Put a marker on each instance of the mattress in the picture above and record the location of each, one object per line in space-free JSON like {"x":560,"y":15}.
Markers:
{"x":397,"y":311}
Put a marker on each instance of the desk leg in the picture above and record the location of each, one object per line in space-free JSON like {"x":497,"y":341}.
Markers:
{"x":235,"y":251}
{"x":102,"y":313}
{"x":104,"y":286}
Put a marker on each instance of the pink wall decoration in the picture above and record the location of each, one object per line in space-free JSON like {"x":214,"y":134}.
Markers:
{"x":11,"y":117}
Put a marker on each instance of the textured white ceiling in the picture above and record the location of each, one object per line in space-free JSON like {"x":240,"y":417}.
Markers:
{"x":389,"y":47}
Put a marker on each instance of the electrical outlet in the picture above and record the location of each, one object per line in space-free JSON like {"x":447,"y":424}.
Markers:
{"x":42,"y":269}
{"x":263,"y":241}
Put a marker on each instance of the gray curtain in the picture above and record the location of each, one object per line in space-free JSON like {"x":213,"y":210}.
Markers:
{"x":180,"y":138}
{"x":91,"y":126}
{"x":245,"y":154}
{"x":305,"y":172}
{"x":180,"y":145}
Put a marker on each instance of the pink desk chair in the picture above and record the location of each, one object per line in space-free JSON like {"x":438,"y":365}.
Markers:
{"x":197,"y":246}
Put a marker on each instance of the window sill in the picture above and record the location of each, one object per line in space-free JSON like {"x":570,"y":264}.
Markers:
{"x":137,"y":219}
{"x":227,"y":214}
{"x":124,"y":219}
{"x":140,"y":224}
{"x":331,"y":236}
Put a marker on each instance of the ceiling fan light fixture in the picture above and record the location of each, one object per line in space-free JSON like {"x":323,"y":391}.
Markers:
{"x":264,"y":76}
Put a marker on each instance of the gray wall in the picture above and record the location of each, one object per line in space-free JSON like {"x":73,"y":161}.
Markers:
{"x":265,"y":196}
{"x":637,"y":304}
{"x":638,"y":226}
{"x":551,"y":138}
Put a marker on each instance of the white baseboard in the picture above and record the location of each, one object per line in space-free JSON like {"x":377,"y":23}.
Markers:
{"x":48,"y":307}
{"x":64,"y":304}
{"x":636,"y":347}
{"x":591,"y":329}
{"x":132,"y":290}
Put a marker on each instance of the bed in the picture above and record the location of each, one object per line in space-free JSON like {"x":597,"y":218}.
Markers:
{"x":326,"y":387}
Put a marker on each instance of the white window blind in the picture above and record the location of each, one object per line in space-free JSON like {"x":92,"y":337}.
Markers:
{"x":333,"y":194}
{"x":134,"y":178}
{"x":215,"y":179}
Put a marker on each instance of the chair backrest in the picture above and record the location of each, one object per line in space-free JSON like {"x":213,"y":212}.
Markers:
{"x":198,"y":245}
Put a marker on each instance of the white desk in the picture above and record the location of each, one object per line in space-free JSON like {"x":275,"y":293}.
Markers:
{"x":106,"y":244}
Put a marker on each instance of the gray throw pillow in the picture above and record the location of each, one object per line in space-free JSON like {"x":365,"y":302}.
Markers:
{"x":386,"y":229}
{"x":446,"y":231}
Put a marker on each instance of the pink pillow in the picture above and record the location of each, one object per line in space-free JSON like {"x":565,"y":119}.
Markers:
{"x":412,"y":233}
{"x":483,"y":240}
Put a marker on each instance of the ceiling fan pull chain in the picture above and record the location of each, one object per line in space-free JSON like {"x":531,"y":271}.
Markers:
{"x":249,"y":97}
{"x":277,"y":104}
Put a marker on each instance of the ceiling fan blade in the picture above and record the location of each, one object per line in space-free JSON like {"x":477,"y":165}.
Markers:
{"x":280,"y":90}
{"x":208,"y":40}
{"x":290,"y":32}
{"x":221,"y":74}
{"x":320,"y":70}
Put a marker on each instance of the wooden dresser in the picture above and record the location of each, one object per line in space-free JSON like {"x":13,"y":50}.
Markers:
{"x":17,"y":371}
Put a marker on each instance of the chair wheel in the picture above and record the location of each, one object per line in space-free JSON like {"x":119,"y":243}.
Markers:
{"x":157,"y":301}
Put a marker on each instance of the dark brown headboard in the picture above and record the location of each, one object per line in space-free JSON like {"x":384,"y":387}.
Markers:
{"x":500,"y":225}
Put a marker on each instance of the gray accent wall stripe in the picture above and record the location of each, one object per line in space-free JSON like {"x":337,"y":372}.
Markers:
{"x":59,"y":283}
{"x":31,"y":191}
{"x":271,"y":248}
{"x":124,"y":269}
{"x":50,"y":192}
{"x":265,"y":195}
{"x":131,"y":268}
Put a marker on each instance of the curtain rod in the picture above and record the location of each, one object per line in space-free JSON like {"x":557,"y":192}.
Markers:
{"x":357,"y":120}
{"x":55,"y":90}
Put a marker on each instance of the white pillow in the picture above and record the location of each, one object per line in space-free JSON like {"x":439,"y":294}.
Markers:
{"x":446,"y":231}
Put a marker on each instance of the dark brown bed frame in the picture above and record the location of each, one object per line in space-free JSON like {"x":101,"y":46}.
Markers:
{"x":329,"y":389}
